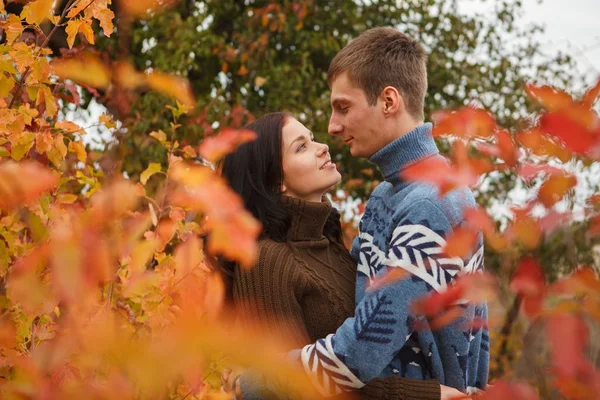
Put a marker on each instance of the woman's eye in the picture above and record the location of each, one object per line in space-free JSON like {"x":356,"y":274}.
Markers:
{"x":301,"y":147}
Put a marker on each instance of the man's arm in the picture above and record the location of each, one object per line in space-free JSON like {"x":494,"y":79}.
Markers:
{"x":365,"y":344}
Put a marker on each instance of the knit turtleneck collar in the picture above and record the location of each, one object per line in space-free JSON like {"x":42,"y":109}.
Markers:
{"x":413,"y":146}
{"x":308,"y":219}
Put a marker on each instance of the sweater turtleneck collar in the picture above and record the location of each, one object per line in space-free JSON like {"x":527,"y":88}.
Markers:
{"x":307,"y":220}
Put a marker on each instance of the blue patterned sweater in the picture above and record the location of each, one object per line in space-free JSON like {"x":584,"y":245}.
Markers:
{"x":404,"y":226}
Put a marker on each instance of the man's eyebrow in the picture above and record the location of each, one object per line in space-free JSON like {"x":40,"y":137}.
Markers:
{"x":338,"y":101}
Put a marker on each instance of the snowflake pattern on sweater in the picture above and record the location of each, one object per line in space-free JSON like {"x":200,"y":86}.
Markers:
{"x":404,"y":226}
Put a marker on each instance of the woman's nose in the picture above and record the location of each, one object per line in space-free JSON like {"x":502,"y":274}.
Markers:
{"x":323,"y":149}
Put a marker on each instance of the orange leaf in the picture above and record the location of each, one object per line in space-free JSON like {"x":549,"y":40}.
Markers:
{"x":127,"y":76}
{"x":69,"y":127}
{"x":13,"y":27}
{"x":216,"y":147}
{"x":392,"y":275}
{"x":242,"y":71}
{"x":467,"y":122}
{"x":541,"y":145}
{"x":72,"y":29}
{"x":583,"y":281}
{"x":525,"y":230}
{"x":555,"y":188}
{"x":568,"y":336}
{"x":550,"y":98}
{"x":43,"y":141}
{"x":113,"y":201}
{"x":235,"y":238}
{"x":172,"y":86}
{"x":461,"y":242}
{"x":594,"y":229}
{"x":23,"y":183}
{"x":79,"y":149}
{"x":143,"y":8}
{"x":591,"y":96}
{"x":85,"y":69}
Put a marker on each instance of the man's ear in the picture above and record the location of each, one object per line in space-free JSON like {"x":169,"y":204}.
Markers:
{"x":392,"y":101}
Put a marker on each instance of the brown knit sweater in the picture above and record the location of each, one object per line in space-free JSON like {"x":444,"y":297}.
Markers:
{"x":306,"y":287}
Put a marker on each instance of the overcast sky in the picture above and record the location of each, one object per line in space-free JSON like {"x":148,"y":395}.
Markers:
{"x":572,"y":26}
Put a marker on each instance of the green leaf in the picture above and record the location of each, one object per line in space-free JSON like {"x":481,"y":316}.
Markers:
{"x":152,"y":169}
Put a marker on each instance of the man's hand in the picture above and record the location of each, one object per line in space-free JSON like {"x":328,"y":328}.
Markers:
{"x":449,"y":393}
{"x":227,"y":379}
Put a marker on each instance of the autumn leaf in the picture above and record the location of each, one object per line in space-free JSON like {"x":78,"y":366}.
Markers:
{"x":13,"y":28}
{"x":113,"y":201}
{"x":437,"y":171}
{"x":548,"y":97}
{"x":152,"y":169}
{"x":72,"y":29}
{"x":69,"y":127}
{"x":555,"y":188}
{"x":504,"y":148}
{"x":58,"y":152}
{"x":529,"y":171}
{"x":474,"y":288}
{"x":467,"y":122}
{"x":502,"y":390}
{"x":189,"y":152}
{"x":582,"y":281}
{"x":591,"y":96}
{"x":524,"y":229}
{"x":460,"y":242}
{"x":529,"y":282}
{"x":21,"y":144}
{"x":79,"y":149}
{"x":216,"y":147}
{"x":390,"y":276}
{"x":573,"y":132}
{"x":37,"y":11}
{"x":23,"y":183}
{"x":143,"y":8}
{"x":235,"y":238}
{"x":172,"y":86}
{"x":84,"y":69}
{"x":260,"y":81}
{"x":107,"y":121}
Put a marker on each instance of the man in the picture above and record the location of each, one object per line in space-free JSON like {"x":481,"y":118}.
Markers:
{"x":378,"y":85}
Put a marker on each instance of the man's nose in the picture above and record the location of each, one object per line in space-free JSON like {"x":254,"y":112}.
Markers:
{"x":334,"y":128}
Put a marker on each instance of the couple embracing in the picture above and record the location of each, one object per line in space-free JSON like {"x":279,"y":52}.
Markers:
{"x":349,"y":338}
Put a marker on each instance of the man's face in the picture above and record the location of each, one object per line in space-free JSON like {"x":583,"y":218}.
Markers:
{"x":353,"y":119}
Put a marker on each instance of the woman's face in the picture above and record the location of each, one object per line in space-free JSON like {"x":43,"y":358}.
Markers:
{"x":307,"y":168}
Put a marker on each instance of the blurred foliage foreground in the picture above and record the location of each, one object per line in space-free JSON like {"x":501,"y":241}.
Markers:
{"x":107,"y":291}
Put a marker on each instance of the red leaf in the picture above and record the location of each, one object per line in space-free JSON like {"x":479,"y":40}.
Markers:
{"x":529,"y":282}
{"x":467,"y":122}
{"x":437,"y":171}
{"x":501,"y":390}
{"x":542,"y":145}
{"x":582,"y":281}
{"x":504,"y":148}
{"x":574,"y":130}
{"x":568,"y":336}
{"x":594,"y":229}
{"x":529,"y":171}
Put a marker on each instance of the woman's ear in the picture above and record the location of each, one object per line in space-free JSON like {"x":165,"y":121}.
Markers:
{"x":283,"y":188}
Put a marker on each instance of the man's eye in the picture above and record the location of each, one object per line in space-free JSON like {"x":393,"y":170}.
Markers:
{"x":344,"y":110}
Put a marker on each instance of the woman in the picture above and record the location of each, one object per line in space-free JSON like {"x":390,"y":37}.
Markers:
{"x":304,"y":280}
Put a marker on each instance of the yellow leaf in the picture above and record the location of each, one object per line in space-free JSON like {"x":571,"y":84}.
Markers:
{"x":69,"y":127}
{"x":40,"y":69}
{"x":21,"y":145}
{"x":67,"y":198}
{"x":72,"y":29}
{"x":160,"y":136}
{"x":37,"y":11}
{"x":105,"y":16}
{"x":78,"y":7}
{"x":141,"y":255}
{"x":189,"y":152}
{"x":107,"y":121}
{"x":4,"y":152}
{"x":86,"y":28}
{"x":172,"y":86}
{"x":13,"y":28}
{"x":6,"y":85}
{"x":153,"y":214}
{"x":141,"y":8}
{"x":27,"y":113}
{"x":45,"y":96}
{"x":79,"y":149}
{"x":259,"y":81}
{"x":127,"y":76}
{"x":152,"y":169}
{"x":6,"y":64}
{"x":86,"y":69}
